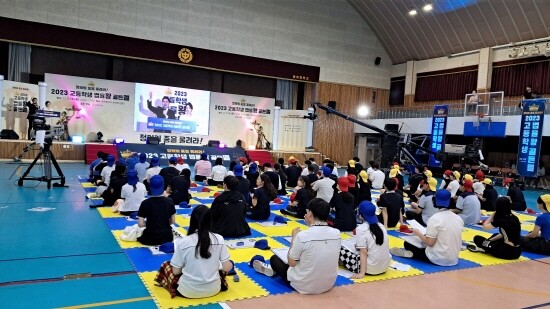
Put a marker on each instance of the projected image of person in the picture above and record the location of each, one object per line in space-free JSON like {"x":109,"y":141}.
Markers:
{"x":162,"y":111}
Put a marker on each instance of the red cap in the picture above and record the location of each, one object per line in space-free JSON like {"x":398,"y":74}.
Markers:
{"x":193,"y":185}
{"x":293,"y":196}
{"x":180,"y":160}
{"x":352,"y":179}
{"x":243,"y":159}
{"x":480,"y":175}
{"x":277,"y":201}
{"x":343,"y":183}
{"x":403,"y":228}
{"x":468,"y":184}
{"x":507,"y":181}
{"x":291,"y":161}
{"x":205,"y":189}
{"x":217,"y":194}
{"x":448,"y":173}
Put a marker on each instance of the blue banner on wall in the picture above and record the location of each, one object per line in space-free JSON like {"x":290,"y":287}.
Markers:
{"x":190,"y":154}
{"x":532,"y":119}
{"x":174,"y":125}
{"x":439,"y":129}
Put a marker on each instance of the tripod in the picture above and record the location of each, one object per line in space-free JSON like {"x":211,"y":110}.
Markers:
{"x":49,"y":159}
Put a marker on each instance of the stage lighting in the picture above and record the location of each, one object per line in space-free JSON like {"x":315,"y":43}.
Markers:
{"x":77,"y":139}
{"x":251,"y":147}
{"x":221,"y":145}
{"x":363,"y":111}
{"x":119,"y":141}
{"x":413,"y":12}
{"x":427,"y":7}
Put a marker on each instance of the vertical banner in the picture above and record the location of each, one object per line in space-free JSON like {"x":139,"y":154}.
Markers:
{"x":292,"y":130}
{"x":439,"y":129}
{"x":247,"y":118}
{"x":14,"y":111}
{"x":532,"y":119}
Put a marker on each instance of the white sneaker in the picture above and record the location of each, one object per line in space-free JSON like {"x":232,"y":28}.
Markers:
{"x":263,"y":268}
{"x":401,"y":252}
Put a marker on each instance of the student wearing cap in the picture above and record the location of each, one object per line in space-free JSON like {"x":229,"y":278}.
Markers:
{"x":358,"y":166}
{"x":372,"y":242}
{"x":203,"y":168}
{"x":515,"y":194}
{"x":91,"y":170}
{"x":490,"y":195}
{"x":142,"y":166}
{"x":446,"y":179}
{"x":181,"y":164}
{"x":178,"y":190}
{"x":313,"y":255}
{"x":252,"y":175}
{"x":131,"y":195}
{"x":351,"y":168}
{"x":454,"y":185}
{"x":392,"y":205}
{"x":363,"y":193}
{"x":244,"y":184}
{"x":263,"y":195}
{"x":201,"y":258}
{"x":424,"y":209}
{"x":228,"y":211}
{"x":412,"y":189}
{"x":506,"y":243}
{"x":132,"y":161}
{"x":305,"y":193}
{"x":99,"y":168}
{"x":443,"y":237}
{"x":293,"y":172}
{"x":154,"y":169}
{"x":169,"y":172}
{"x":352,"y":189}
{"x":538,"y":240}
{"x":377,"y":177}
{"x":343,"y":205}
{"x":480,"y":176}
{"x":218,"y":173}
{"x":107,"y":170}
{"x":156,"y":214}
{"x":281,"y":189}
{"x":393,"y":175}
{"x":117,"y":181}
{"x":468,"y":206}
{"x":324,"y":186}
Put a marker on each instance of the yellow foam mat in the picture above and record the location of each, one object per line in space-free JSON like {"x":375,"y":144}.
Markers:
{"x":395,"y":242}
{"x":481,"y":258}
{"x":126,"y":244}
{"x":390,"y":274}
{"x":524,"y":217}
{"x":106,"y":212}
{"x":468,"y":234}
{"x":279,"y":230}
{"x":245,"y":254}
{"x":203,"y":194}
{"x":244,"y":289}
{"x":182,"y":221}
{"x":87,"y":185}
{"x":194,"y":202}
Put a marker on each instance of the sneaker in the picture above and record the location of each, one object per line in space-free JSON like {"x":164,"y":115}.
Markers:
{"x":474,"y":248}
{"x":263,"y":268}
{"x":288,"y":213}
{"x":401,"y":252}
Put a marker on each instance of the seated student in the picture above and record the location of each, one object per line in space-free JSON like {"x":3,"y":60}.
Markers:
{"x":371,"y":242}
{"x":443,"y":237}
{"x":203,"y":168}
{"x":324,"y":186}
{"x":252,"y":176}
{"x":281,"y":162}
{"x":169,"y":172}
{"x":293,"y":172}
{"x":489,"y":197}
{"x":515,"y":194}
{"x":92,"y":172}
{"x":244,"y":184}
{"x":178,"y":190}
{"x":363,"y":190}
{"x":352,"y":189}
{"x":343,"y":205}
{"x":154,"y":169}
{"x":311,"y":173}
{"x":262,"y":196}
{"x":96,"y":179}
{"x":505,"y":244}
{"x":106,"y":171}
{"x":446,"y":179}
{"x":117,"y":181}
{"x":131,"y":196}
{"x":142,"y":166}
{"x":182,"y":165}
{"x":273,"y":176}
{"x":229,"y":210}
{"x":313,"y":254}
{"x":232,"y":165}
{"x":281,"y":190}
{"x":333,"y":176}
{"x":156,"y":214}
{"x":468,"y":206}
{"x":377,"y":177}
{"x":414,"y":182}
{"x":358,"y":166}
{"x":351,"y":168}
{"x":218,"y":173}
{"x":392,"y":205}
{"x":132,"y":161}
{"x":304,"y":194}
{"x":198,"y":257}
{"x":538,"y":241}
{"x":454,"y":185}
{"x":424,"y":209}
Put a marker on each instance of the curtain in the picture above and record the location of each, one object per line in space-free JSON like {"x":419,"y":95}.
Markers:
{"x":286,"y":94}
{"x":451,"y":86}
{"x":513,"y":79}
{"x":19,"y":62}
{"x":397,"y":92}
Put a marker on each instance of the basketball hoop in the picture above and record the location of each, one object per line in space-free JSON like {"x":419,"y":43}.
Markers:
{"x":479,"y":117}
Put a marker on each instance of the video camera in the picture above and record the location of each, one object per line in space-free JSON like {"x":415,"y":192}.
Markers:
{"x":44,"y":133}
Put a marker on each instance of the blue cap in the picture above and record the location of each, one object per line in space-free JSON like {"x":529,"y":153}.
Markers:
{"x":279,"y":219}
{"x":157,"y":185}
{"x":110,"y":160}
{"x":142,"y":157}
{"x":173,"y":160}
{"x":368,"y":212}
{"x":121,"y":161}
{"x":442,"y":198}
{"x":256,"y":258}
{"x":238,"y":170}
{"x":132,"y":177}
{"x":262,"y":244}
{"x":155,"y":161}
{"x":133,"y":215}
{"x":204,"y":156}
{"x":184,"y":205}
{"x":253,"y":168}
{"x":326,"y":171}
{"x":167,"y":247}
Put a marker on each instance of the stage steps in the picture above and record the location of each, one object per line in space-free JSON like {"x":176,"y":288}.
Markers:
{"x":261,"y":156}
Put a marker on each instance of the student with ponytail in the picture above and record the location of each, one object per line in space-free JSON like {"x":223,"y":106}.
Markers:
{"x":132,"y":194}
{"x":197,"y":257}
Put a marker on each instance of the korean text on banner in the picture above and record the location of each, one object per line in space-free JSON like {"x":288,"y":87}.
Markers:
{"x":439,"y":129}
{"x":532,"y":119}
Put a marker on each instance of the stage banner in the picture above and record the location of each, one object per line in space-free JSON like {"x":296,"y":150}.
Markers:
{"x":532,"y":119}
{"x":90,"y":105}
{"x":13,"y":110}
{"x":247,"y":118}
{"x":292,"y":130}
{"x":439,"y":129}
{"x":190,"y":154}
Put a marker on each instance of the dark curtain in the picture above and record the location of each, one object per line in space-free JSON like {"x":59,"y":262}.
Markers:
{"x":451,"y":86}
{"x":397,"y":92}
{"x":513,"y":79}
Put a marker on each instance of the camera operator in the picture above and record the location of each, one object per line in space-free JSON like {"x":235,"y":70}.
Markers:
{"x":33,"y":106}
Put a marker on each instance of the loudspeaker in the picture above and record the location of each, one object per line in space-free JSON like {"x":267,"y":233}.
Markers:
{"x":390,"y":127}
{"x":377,"y":60}
{"x":212,"y":143}
{"x":332,"y":104}
{"x":153,"y":140}
{"x":8,"y":134}
{"x":389,"y":150}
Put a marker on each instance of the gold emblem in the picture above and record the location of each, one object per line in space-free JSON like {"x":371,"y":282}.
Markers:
{"x":167,"y":91}
{"x":441,"y":111}
{"x":185,"y":55}
{"x":243,"y":100}
{"x":125,"y":154}
{"x":91,"y":84}
{"x":534,"y":108}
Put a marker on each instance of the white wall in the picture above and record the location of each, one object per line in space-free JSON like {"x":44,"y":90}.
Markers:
{"x":325,"y":33}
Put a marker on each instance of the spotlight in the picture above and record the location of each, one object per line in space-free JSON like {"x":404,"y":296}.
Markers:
{"x":221,"y":145}
{"x":413,"y":12}
{"x":427,"y":7}
{"x":118,"y":141}
{"x":251,"y":147}
{"x":77,"y":139}
{"x":363,"y":111}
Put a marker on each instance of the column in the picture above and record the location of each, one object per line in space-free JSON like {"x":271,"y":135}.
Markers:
{"x":362,"y":149}
{"x":2,"y":124}
{"x":276,"y":116}
{"x":42,"y":94}
{"x":485,"y":69}
{"x":309,"y":138}
{"x":410,"y":83}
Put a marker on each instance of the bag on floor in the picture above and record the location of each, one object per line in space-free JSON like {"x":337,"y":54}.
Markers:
{"x":350,"y":260}
{"x":131,"y":233}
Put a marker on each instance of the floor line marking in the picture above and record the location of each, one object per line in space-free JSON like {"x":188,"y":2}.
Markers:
{"x":107,"y":303}
{"x":493,"y":285}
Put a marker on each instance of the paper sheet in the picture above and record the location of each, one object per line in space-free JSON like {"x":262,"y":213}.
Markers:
{"x":414,"y":240}
{"x":415,"y":225}
{"x":156,"y":251}
{"x":350,"y":245}
{"x":240,"y":243}
{"x":270,"y":224}
{"x":345,"y":273}
{"x":40,"y":209}
{"x":400,"y":266}
{"x":282,"y":253}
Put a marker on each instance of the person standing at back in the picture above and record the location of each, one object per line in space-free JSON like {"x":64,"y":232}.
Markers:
{"x":32,"y":108}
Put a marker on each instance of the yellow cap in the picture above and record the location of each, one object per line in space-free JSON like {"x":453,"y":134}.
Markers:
{"x":393,"y":173}
{"x":456,"y":174}
{"x":351,"y":163}
{"x":468,"y":177}
{"x":396,"y":166}
{"x":487,"y":181}
{"x":428,"y":173}
{"x":363,"y":174}
{"x":432,"y":183}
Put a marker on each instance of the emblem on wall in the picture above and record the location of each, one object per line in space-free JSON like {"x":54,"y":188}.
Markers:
{"x":185,"y":55}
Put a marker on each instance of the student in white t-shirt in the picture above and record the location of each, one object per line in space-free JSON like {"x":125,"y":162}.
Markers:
{"x":454,"y":185}
{"x":132,"y":194}
{"x":154,"y":169}
{"x":218,"y":173}
{"x":371,"y":242}
{"x":378,"y":177}
{"x":199,"y":263}
{"x":443,"y":239}
{"x":182,"y":165}
{"x":313,"y":255}
{"x":324,"y":186}
{"x":107,"y":170}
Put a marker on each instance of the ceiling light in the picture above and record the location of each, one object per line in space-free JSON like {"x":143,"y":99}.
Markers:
{"x":363,"y":111}
{"x":427,"y":7}
{"x":413,"y":12}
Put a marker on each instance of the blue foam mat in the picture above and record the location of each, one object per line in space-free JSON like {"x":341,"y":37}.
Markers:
{"x":428,"y":268}
{"x":144,"y":304}
{"x":144,"y":260}
{"x":118,"y":223}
